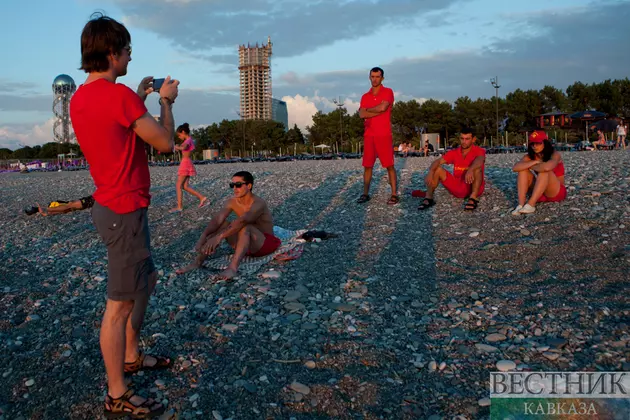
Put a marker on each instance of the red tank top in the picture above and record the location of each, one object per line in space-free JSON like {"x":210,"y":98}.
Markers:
{"x":559,"y":169}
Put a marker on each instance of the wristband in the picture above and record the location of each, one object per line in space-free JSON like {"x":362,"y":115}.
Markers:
{"x":165,"y":99}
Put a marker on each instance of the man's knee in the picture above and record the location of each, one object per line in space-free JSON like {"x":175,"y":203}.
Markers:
{"x":245,"y":231}
{"x":119,"y":309}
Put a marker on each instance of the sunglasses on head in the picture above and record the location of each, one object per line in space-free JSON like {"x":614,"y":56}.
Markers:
{"x":237,"y":184}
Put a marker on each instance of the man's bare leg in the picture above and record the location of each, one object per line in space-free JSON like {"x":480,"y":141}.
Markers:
{"x":112,"y":340}
{"x":367,"y":180}
{"x":391,"y":175}
{"x":249,"y":239}
{"x":134,"y":325}
{"x":433,"y":179}
{"x":476,"y":185}
{"x":201,"y":257}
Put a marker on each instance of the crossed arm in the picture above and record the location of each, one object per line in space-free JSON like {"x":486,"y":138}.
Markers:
{"x":374,"y":111}
{"x":526,"y":163}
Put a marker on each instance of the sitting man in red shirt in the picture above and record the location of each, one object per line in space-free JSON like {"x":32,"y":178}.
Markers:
{"x":112,"y":124}
{"x":250,"y":234}
{"x":467,"y":179}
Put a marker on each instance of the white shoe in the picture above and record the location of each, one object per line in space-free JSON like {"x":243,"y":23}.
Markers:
{"x":517,"y":210}
{"x":527,"y":209}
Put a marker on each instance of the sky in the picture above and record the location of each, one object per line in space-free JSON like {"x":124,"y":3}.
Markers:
{"x":322,"y":50}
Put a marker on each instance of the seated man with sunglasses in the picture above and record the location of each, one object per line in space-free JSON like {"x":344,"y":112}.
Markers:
{"x":251,"y":234}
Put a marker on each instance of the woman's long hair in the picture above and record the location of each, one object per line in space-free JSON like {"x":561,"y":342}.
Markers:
{"x":546,"y":153}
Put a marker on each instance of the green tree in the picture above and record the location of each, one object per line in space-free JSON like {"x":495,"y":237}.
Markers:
{"x":294,"y":135}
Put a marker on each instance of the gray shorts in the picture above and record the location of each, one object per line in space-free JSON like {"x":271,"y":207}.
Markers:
{"x":131,"y":273}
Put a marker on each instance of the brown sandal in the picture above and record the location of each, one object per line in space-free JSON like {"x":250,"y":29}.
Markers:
{"x":138,"y":365}
{"x":116,"y":408}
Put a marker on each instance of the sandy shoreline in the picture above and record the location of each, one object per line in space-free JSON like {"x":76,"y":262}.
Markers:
{"x":423,"y":289}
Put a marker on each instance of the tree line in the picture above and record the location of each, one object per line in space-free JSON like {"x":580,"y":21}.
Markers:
{"x":338,"y":128}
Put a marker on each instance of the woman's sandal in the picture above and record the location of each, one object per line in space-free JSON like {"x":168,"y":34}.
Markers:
{"x":116,"y":408}
{"x":138,"y":365}
{"x":471,"y":204}
{"x":394,"y":199}
{"x":426,"y":203}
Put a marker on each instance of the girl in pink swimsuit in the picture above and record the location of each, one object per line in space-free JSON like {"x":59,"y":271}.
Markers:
{"x":540,"y":174}
{"x":186,"y":168}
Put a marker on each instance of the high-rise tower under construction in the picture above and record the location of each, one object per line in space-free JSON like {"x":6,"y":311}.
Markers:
{"x":254,"y":64}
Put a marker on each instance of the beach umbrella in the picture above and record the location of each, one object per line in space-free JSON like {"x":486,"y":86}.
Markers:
{"x":587,"y":116}
{"x":606,"y":126}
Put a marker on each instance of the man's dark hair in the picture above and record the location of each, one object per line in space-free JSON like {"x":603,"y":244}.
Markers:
{"x":467,"y":130}
{"x":377,"y":69}
{"x":101,"y":37}
{"x":546,"y":153}
{"x":247,"y":177}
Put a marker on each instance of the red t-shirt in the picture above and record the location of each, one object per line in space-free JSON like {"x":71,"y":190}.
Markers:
{"x":380,"y":125}
{"x":462,"y":163}
{"x":102,"y":113}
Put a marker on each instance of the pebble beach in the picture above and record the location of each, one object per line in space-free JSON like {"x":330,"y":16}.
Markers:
{"x":403,"y":315}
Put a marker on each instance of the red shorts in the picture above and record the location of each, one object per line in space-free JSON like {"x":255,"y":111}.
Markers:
{"x":186,"y":168}
{"x":378,"y":146}
{"x":270,"y":245}
{"x":562,"y":194}
{"x":458,"y":187}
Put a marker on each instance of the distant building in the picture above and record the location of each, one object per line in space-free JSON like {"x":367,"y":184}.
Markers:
{"x":279,"y":112}
{"x":254,"y":64}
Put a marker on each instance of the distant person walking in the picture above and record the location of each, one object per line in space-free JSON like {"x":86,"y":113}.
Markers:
{"x":621,"y":136}
{"x":111,"y":122}
{"x":186,"y":168}
{"x":376,"y":109}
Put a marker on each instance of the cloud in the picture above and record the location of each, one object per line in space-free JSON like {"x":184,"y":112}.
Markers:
{"x":15,"y":136}
{"x":558,"y":49}
{"x":204,"y":26}
{"x":302,"y":108}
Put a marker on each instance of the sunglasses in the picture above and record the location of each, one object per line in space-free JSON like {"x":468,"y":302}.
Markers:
{"x":237,"y":184}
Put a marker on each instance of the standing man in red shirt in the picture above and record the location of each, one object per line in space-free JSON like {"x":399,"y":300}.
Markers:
{"x":467,"y":179}
{"x":111,"y":122}
{"x":376,"y":109}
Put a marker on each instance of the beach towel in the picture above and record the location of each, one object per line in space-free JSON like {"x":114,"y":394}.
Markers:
{"x":291,"y":248}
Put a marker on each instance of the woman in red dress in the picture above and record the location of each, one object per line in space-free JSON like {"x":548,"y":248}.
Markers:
{"x":186,"y":168}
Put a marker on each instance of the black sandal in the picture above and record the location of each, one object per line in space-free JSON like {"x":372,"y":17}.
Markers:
{"x":116,"y":408}
{"x":363,"y":199}
{"x":426,"y":203}
{"x":394,"y":199}
{"x":138,"y":365}
{"x":471,"y":204}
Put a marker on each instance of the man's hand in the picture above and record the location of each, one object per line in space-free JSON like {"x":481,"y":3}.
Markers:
{"x":200,"y":243}
{"x":41,"y":210}
{"x":469,"y":177}
{"x":145,"y":87}
{"x":211,"y":245}
{"x":169,"y":89}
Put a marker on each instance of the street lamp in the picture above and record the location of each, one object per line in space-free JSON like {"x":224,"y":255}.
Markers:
{"x":339,"y":105}
{"x":243,"y":123}
{"x":495,"y":83}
